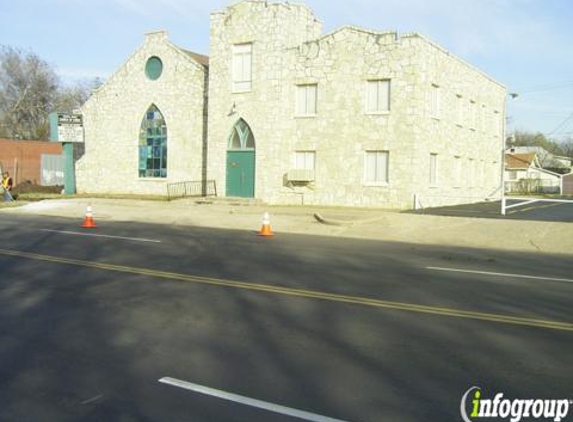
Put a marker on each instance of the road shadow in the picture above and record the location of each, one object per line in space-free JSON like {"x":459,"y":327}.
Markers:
{"x":86,"y":344}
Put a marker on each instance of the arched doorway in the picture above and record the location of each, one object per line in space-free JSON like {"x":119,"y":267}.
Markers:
{"x":241,"y":161}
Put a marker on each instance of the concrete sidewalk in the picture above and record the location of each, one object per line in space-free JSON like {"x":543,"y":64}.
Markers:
{"x":377,"y":224}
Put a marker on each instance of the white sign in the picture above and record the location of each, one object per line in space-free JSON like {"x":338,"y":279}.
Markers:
{"x":70,"y":128}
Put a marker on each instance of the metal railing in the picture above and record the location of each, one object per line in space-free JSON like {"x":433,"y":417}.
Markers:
{"x":532,"y":186}
{"x":194,"y":188}
{"x":520,"y":202}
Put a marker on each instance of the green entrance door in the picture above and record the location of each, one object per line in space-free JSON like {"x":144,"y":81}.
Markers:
{"x":241,"y":161}
{"x":241,"y":173}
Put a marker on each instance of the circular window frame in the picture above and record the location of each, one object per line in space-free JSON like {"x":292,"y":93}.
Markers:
{"x":152,"y":71}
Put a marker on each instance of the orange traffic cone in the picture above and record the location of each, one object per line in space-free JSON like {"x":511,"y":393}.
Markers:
{"x":89,"y":219}
{"x":266,"y":229}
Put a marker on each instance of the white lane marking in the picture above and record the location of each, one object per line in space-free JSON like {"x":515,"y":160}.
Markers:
{"x":88,"y":401}
{"x":533,"y":277}
{"x":137,"y":239}
{"x":276,"y":408}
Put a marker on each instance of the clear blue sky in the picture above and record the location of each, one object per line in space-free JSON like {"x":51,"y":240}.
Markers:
{"x":525,"y":44}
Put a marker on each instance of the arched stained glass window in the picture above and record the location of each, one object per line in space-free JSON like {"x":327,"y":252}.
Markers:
{"x":153,"y":144}
{"x":241,"y":136}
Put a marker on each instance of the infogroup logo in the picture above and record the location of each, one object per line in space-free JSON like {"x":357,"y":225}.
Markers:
{"x":513,"y":409}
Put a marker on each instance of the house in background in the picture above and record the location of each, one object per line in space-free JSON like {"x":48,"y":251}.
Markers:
{"x":524,"y":174}
{"x":545,"y":159}
{"x":38,"y":162}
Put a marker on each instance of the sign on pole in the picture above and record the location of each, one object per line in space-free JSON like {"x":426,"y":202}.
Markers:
{"x":70,"y":128}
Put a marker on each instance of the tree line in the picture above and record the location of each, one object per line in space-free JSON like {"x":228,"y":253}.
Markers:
{"x":523,"y":138}
{"x":29,"y":90}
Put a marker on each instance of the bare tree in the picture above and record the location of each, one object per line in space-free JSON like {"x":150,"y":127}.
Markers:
{"x":567,"y":147}
{"x":72,"y":97}
{"x":28,"y":88}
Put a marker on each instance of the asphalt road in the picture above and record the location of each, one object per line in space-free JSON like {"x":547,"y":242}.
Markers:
{"x":352,"y":330}
{"x":539,"y":211}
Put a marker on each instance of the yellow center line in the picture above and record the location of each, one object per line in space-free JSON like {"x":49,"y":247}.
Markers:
{"x":333,"y":297}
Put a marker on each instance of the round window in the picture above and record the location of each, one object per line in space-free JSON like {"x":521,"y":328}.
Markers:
{"x":153,"y":68}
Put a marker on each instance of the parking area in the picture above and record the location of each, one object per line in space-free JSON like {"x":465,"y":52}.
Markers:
{"x":538,"y":211}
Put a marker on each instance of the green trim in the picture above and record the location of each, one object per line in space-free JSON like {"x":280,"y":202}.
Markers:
{"x":69,"y":168}
{"x":53,"y":120}
{"x":153,"y":68}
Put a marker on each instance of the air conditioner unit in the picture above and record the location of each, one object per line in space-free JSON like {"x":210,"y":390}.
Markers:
{"x":300,"y":175}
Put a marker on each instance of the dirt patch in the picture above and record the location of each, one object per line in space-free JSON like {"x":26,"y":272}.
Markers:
{"x":29,"y":187}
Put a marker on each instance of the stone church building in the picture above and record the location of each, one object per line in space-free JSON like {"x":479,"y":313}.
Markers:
{"x":281,"y":112}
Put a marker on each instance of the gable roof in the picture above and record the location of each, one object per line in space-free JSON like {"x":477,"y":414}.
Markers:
{"x":199,"y":58}
{"x":519,"y":161}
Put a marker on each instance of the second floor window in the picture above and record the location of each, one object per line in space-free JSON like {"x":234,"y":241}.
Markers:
{"x":306,"y":100}
{"x":378,"y":96}
{"x":435,"y":101}
{"x":242,"y":67}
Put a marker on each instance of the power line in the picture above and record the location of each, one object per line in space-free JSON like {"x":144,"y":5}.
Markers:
{"x":562,"y":124}
{"x":548,"y":87}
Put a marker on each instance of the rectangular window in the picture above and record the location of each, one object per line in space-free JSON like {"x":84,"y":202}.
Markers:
{"x":459,"y":110}
{"x":376,"y":167}
{"x":242,"y":67}
{"x":435,"y":101}
{"x":512,"y":175}
{"x":497,"y":126}
{"x":495,"y":174}
{"x":378,"y":96}
{"x":304,"y":160}
{"x":433,"y":169}
{"x":473,"y":115}
{"x":457,"y":171}
{"x":471,"y":174}
{"x":306,"y":100}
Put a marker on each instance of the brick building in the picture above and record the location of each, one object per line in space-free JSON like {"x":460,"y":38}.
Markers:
{"x":23,"y":159}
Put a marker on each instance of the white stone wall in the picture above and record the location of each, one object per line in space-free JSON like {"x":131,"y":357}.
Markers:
{"x":478,"y":142}
{"x":113,"y":115}
{"x":272,"y":28}
{"x":287,"y":50}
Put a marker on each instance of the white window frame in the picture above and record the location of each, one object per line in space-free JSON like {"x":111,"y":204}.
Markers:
{"x":304,"y":104}
{"x":497,"y":123}
{"x":483,"y":118}
{"x":435,"y":101}
{"x":471,"y":172}
{"x":242,"y":57}
{"x":457,"y":170}
{"x":473,"y":115}
{"x":459,"y":110}
{"x":433,"y":174}
{"x":381,"y":169}
{"x":304,"y":160}
{"x":376,"y":91}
